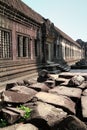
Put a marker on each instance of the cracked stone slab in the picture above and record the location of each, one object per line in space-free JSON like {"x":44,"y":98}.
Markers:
{"x":56,"y":100}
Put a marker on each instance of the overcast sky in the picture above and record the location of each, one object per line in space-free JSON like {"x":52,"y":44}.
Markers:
{"x":68,"y":15}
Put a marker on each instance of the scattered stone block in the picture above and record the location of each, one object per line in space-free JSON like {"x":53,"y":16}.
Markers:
{"x":40,"y":87}
{"x":16,"y":110}
{"x":49,"y":114}
{"x":84,"y":93}
{"x":84,"y":106}
{"x":83,"y":85}
{"x":76,"y":80}
{"x":60,"y":80}
{"x":65,"y":83}
{"x":67,"y":75}
{"x":71,"y":123}
{"x":57,"y":100}
{"x":24,"y":90}
{"x":27,"y":82}
{"x":27,"y":127}
{"x":10,"y":116}
{"x":43,"y":73}
{"x":20,"y":82}
{"x":11,"y":127}
{"x":14,"y":97}
{"x":67,"y":91}
{"x":50,"y":83}
{"x":43,"y":76}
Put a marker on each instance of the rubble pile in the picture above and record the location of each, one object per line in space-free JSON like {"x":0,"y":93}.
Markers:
{"x":55,"y":103}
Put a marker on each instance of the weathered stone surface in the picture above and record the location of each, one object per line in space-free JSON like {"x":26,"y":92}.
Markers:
{"x":65,"y":83}
{"x":54,"y":76}
{"x":43,"y":73}
{"x":67,"y":75}
{"x":83,"y":85}
{"x":12,"y":127}
{"x":39,"y":87}
{"x":20,"y":82}
{"x":71,"y":123}
{"x":50,"y":83}
{"x":14,"y":97}
{"x":27,"y":82}
{"x":43,"y":76}
{"x":57,"y":100}
{"x":60,"y":80}
{"x":49,"y":113}
{"x":84,"y":106}
{"x":16,"y":110}
{"x":13,"y":84}
{"x":67,"y":91}
{"x":27,"y":127}
{"x":76,"y":80}
{"x":24,"y":90}
{"x":10,"y":116}
{"x":84,"y":93}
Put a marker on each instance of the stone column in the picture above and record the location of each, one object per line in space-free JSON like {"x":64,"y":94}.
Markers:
{"x":31,"y":48}
{"x":27,"y":46}
{"x":21,"y":45}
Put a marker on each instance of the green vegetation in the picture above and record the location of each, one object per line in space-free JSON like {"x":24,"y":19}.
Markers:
{"x":26,"y":110}
{"x":3,"y":123}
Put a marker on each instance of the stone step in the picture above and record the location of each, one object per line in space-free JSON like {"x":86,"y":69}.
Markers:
{"x":17,"y":67}
{"x":16,"y":78}
{"x":15,"y":63}
{"x":8,"y":77}
{"x":14,"y":69}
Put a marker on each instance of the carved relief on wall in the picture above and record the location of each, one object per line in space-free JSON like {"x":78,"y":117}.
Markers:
{"x":50,"y":29}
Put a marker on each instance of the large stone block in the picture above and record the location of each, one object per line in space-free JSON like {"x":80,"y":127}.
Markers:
{"x":67,"y":91}
{"x":57,"y":100}
{"x":24,"y":90}
{"x":71,"y":123}
{"x":84,"y":92}
{"x":83,"y":85}
{"x":84,"y":106}
{"x":27,"y":127}
{"x":10,"y":116}
{"x":76,"y":80}
{"x":60,"y":81}
{"x":14,"y":97}
{"x":50,"y":83}
{"x":39,"y":87}
{"x":50,"y":114}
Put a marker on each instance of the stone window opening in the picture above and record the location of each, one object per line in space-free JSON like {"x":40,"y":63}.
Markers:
{"x":23,"y":46}
{"x":5,"y":44}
